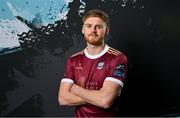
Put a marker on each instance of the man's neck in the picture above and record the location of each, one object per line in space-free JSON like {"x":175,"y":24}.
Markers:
{"x":93,"y":50}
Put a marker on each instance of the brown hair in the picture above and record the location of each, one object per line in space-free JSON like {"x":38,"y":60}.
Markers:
{"x":97,"y":13}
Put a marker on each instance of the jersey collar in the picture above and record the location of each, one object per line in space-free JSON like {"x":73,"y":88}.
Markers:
{"x":106,"y":48}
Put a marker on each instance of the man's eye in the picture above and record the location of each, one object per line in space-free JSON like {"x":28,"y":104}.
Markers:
{"x":99,"y":26}
{"x":88,"y":26}
{"x":96,"y":26}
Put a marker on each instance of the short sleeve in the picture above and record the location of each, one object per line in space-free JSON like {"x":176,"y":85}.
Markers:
{"x":68,"y":74}
{"x":117,"y":69}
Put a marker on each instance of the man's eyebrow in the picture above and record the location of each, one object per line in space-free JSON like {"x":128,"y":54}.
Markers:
{"x":87,"y":24}
{"x":93,"y":24}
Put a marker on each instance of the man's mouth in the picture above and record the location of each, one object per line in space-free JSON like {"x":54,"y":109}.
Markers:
{"x":93,"y":35}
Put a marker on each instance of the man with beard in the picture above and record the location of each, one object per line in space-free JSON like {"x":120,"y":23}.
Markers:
{"x":94,"y":77}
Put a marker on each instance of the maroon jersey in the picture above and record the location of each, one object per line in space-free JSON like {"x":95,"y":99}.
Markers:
{"x":90,"y":71}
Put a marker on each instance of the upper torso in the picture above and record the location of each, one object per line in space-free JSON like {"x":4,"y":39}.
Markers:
{"x":90,"y":72}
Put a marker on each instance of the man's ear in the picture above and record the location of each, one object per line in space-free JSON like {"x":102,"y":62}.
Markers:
{"x":82,"y":30}
{"x":107,"y":31}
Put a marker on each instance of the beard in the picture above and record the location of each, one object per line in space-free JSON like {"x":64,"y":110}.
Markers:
{"x":94,"y":39}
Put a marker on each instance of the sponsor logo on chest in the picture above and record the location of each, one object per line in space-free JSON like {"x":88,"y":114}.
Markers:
{"x":79,"y":67}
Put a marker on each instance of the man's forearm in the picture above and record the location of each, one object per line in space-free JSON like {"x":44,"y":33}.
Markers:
{"x":67,"y":98}
{"x":95,"y":97}
{"x":70,"y":99}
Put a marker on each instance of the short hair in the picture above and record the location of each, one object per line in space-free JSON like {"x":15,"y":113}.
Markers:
{"x":97,"y":13}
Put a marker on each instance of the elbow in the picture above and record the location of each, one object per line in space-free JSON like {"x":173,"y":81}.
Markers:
{"x":105,"y":104}
{"x":62,"y":101}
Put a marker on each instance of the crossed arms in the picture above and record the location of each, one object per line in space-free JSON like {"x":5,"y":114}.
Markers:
{"x":73,"y":95}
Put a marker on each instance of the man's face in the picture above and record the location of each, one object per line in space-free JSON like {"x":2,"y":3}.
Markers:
{"x":94,"y":30}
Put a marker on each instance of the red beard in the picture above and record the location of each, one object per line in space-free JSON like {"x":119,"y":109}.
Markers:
{"x":93,"y":39}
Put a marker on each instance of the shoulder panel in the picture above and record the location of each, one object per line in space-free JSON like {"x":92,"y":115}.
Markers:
{"x":114,"y":51}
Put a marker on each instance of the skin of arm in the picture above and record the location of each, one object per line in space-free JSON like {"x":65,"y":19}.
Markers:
{"x":66,"y":98}
{"x":102,"y":98}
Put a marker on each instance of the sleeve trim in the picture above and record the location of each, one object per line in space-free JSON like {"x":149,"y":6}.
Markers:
{"x":115,"y":80}
{"x":67,"y":80}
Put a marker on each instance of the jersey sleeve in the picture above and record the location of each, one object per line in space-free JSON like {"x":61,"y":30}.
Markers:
{"x":68,"y":74}
{"x":117,"y":69}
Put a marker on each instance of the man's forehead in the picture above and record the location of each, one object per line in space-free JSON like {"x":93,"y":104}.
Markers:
{"x":94,"y":24}
{"x":94,"y":21}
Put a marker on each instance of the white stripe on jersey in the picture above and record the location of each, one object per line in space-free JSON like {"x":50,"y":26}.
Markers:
{"x":115,"y":80}
{"x":67,"y":80}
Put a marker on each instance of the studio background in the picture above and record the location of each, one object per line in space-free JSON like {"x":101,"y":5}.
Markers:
{"x":37,"y":37}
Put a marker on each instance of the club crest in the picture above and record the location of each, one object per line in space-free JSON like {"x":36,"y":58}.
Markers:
{"x":100,"y":65}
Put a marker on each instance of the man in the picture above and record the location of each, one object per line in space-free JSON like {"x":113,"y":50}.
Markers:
{"x":94,"y":77}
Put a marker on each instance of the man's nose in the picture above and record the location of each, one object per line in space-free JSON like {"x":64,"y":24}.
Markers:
{"x":93,"y":29}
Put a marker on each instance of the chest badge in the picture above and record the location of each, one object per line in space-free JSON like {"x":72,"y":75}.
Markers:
{"x":100,"y":65}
